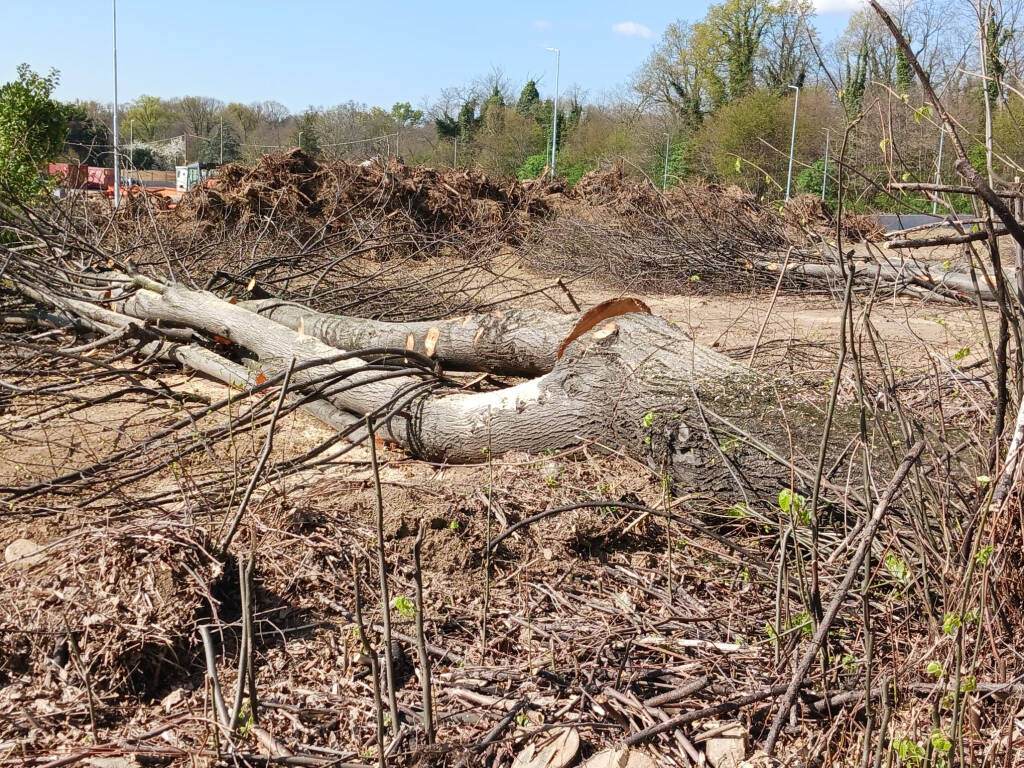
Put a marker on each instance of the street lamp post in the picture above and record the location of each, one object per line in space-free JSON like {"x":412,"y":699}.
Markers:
{"x":938,"y":168}
{"x":792,"y":139}
{"x":554,"y":118}
{"x":824,"y":175}
{"x":664,"y":178}
{"x":117,"y":158}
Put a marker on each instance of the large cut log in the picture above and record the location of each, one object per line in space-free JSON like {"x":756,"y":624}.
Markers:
{"x":520,"y":342}
{"x":636,"y":381}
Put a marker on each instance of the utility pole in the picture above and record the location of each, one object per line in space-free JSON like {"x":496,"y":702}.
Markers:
{"x":792,"y":139}
{"x":824,"y":175}
{"x":664,"y":178}
{"x":222,"y":139}
{"x":455,"y":159}
{"x":117,"y":158}
{"x":554,"y":118}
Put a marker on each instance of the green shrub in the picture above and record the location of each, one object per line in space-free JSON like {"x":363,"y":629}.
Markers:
{"x":532,"y":167}
{"x":32,"y":133}
{"x":679,"y":164}
{"x":809,"y":180}
{"x":574,"y":172}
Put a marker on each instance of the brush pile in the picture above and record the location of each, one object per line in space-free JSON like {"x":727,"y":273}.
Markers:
{"x":808,"y":217}
{"x":295,"y":189}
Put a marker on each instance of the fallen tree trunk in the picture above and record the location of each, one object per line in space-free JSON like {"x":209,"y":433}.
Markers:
{"x":932,"y":242}
{"x":508,"y":342}
{"x":933,"y":279}
{"x":636,"y":381}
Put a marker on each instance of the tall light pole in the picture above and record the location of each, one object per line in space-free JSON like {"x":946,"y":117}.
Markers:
{"x":938,"y":168}
{"x":554,"y":117}
{"x":824,"y":174}
{"x":792,"y":139}
{"x":131,"y":150}
{"x":664,"y":178}
{"x":117,"y":157}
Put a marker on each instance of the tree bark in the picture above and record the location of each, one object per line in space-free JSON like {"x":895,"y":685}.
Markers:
{"x":507,"y":342}
{"x":636,"y":382}
{"x":932,"y":278}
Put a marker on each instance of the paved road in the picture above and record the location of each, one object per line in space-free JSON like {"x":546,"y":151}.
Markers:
{"x":893,"y":222}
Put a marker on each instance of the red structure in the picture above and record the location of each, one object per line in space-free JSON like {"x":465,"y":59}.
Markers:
{"x":71,"y":176}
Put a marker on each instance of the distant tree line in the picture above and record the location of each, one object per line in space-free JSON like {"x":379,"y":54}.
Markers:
{"x":716,"y":95}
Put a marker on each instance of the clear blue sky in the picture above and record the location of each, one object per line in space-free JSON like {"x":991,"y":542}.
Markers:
{"x":320,"y":53}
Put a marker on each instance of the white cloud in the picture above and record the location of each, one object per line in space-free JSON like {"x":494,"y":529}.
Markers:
{"x":838,"y":6}
{"x":542,"y":24}
{"x":631,"y":29}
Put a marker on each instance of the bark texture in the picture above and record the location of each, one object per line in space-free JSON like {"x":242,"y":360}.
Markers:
{"x":636,"y":382}
{"x":506,"y":342}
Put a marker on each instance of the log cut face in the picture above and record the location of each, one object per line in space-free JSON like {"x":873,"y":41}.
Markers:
{"x":635,"y":382}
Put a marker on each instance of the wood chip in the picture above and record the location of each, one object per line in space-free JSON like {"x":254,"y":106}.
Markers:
{"x":555,"y":749}
{"x":430,"y":341}
{"x":623,"y":757}
{"x":728,"y":749}
{"x":23,"y":553}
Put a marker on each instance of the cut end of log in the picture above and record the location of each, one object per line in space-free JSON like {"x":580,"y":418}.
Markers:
{"x":410,"y":342}
{"x":603,"y":311}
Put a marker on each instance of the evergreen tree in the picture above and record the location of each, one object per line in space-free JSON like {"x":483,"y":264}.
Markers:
{"x":468,"y":121}
{"x":307,"y":133}
{"x":492,"y":112}
{"x":144,"y":159}
{"x":529,"y":99}
{"x":574,"y":117}
{"x":210,"y":147}
{"x":447,"y":127}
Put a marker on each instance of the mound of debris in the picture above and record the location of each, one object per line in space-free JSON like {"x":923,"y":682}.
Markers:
{"x":722,"y":212}
{"x":295,"y":190}
{"x":106,"y":612}
{"x":726,"y":211}
{"x":809,"y":217}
